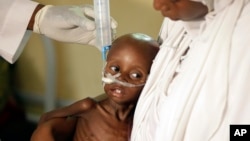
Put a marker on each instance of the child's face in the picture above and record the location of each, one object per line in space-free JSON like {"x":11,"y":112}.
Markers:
{"x":180,"y":9}
{"x":133,"y":66}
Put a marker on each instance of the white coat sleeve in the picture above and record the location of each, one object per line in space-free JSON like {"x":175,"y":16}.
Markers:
{"x":14,"y":18}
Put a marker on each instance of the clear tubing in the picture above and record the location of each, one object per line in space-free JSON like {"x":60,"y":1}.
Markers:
{"x":103,"y":28}
{"x":109,"y":79}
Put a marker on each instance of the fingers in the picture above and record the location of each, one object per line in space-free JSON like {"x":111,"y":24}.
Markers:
{"x":114,"y":23}
{"x":90,"y":13}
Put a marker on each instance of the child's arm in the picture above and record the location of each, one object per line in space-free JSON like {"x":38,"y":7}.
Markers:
{"x":71,"y":110}
{"x":57,"y":129}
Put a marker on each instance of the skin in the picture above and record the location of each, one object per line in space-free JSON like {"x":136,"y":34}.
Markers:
{"x":185,"y":10}
{"x":111,"y":118}
{"x":32,"y":18}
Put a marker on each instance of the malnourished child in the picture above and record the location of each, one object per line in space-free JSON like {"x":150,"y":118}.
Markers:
{"x":128,"y":66}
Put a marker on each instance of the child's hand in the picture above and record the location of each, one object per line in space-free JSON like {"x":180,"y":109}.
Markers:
{"x":45,"y":117}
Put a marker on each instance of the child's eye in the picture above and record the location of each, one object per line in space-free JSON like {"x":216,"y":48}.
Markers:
{"x":115,"y":68}
{"x":135,"y":75}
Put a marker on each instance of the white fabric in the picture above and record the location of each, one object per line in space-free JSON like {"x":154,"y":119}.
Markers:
{"x":14,"y":18}
{"x":210,"y":90}
{"x":144,"y":126}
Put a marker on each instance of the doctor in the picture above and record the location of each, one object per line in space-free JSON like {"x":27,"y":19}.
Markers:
{"x":199,"y":82}
{"x":62,"y":23}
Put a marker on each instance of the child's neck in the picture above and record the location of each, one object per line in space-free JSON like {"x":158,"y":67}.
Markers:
{"x":121,"y":112}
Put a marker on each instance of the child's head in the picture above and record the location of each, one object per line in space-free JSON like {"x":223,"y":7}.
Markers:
{"x":128,"y":65}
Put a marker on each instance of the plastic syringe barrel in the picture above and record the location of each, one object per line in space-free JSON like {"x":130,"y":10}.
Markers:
{"x":103,"y":27}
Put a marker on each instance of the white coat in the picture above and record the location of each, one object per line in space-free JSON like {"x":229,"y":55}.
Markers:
{"x":14,"y":19}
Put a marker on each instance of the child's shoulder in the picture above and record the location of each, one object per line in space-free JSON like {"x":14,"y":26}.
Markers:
{"x":87,"y":103}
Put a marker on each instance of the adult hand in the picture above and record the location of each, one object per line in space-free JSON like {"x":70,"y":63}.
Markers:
{"x":74,"y":24}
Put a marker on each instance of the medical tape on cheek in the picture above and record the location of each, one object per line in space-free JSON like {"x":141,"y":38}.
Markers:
{"x":109,"y":79}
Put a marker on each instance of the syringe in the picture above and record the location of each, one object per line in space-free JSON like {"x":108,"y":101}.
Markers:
{"x":103,"y":28}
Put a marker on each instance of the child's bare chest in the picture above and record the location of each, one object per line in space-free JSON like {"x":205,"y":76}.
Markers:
{"x":99,"y":127}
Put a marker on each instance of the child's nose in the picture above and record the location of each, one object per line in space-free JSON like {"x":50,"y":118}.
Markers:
{"x":123,"y":77}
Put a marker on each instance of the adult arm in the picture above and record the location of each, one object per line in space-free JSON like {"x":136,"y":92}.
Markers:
{"x":65,"y":23}
{"x":14,"y":18}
